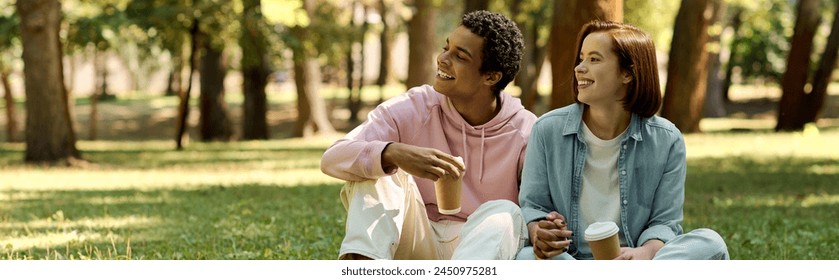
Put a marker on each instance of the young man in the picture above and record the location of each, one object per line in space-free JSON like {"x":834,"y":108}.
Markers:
{"x":392,"y":160}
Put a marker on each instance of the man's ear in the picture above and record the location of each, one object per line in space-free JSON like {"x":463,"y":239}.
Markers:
{"x":493,"y":78}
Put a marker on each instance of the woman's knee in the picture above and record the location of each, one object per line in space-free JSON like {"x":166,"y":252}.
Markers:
{"x":713,"y":242}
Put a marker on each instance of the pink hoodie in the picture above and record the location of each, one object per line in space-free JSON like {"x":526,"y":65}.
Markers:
{"x":493,"y":152}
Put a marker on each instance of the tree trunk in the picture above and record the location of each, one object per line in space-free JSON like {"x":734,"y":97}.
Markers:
{"x":714,"y":100}
{"x":101,"y":81}
{"x":684,"y":94}
{"x":790,"y":115}
{"x":353,"y":96}
{"x":11,"y":114}
{"x":421,"y":65}
{"x":365,"y":26}
{"x":255,"y":70}
{"x":814,"y":102}
{"x":474,"y":5}
{"x":214,"y":120}
{"x":183,"y":106}
{"x":312,"y":115}
{"x":736,"y":22}
{"x":386,"y":43}
{"x":49,"y":129}
{"x":174,"y":87}
{"x":569,"y":17}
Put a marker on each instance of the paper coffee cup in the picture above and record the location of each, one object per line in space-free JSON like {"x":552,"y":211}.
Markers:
{"x":448,"y":192}
{"x":602,"y":238}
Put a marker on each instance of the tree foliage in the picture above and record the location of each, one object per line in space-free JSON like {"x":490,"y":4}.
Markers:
{"x":760,"y":45}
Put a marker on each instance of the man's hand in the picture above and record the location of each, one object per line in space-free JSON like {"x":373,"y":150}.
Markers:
{"x":549,"y":236}
{"x":421,"y":162}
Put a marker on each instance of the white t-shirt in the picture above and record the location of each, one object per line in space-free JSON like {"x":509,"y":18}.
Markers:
{"x":600,"y":196}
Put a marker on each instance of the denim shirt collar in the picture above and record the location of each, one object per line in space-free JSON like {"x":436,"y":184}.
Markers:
{"x":576,"y":121}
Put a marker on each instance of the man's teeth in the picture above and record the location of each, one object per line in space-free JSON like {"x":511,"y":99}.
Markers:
{"x":444,"y":75}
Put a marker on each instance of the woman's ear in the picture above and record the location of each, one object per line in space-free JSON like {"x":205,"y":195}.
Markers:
{"x":627,"y":74}
{"x":493,"y":78}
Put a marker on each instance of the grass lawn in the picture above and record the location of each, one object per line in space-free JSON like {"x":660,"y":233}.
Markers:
{"x":771,"y":196}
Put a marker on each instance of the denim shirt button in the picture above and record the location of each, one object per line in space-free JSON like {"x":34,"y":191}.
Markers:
{"x":623,"y":172}
{"x":625,"y":202}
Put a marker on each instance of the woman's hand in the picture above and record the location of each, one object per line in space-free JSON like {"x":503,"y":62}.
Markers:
{"x":645,"y":252}
{"x":550,"y":237}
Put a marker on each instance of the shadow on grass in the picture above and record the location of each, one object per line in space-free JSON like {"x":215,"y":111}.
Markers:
{"x":773,"y":208}
{"x":242,"y":222}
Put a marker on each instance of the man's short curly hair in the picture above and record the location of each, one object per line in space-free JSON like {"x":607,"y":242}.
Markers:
{"x":503,"y":44}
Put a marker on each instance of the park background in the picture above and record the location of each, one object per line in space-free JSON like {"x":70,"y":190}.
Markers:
{"x":193,"y":129}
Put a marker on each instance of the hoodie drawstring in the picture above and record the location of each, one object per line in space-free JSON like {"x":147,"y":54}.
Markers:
{"x":466,"y":151}
{"x":481,"y":176}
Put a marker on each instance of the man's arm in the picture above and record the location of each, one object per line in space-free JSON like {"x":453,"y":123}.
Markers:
{"x":358,"y":156}
{"x":376,"y":147}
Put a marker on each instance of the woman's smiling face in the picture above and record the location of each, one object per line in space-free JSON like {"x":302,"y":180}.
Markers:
{"x":600,"y":80}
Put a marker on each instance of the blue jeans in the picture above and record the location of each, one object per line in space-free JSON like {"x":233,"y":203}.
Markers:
{"x":699,"y":244}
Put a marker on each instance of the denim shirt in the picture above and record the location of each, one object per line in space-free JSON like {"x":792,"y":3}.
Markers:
{"x":651,"y":176}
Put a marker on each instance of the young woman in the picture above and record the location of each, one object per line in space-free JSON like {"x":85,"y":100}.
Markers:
{"x":610,"y":158}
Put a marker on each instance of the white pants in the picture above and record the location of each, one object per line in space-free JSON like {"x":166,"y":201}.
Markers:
{"x":699,"y":244}
{"x":386,"y":219}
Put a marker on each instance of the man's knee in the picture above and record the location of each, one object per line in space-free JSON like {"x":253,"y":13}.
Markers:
{"x":498,"y":206}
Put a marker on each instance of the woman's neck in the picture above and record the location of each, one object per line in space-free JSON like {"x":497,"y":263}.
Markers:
{"x":606,"y":123}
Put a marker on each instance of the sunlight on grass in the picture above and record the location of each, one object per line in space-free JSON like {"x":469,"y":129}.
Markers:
{"x":82,"y":223}
{"x":57,"y":231}
{"x":809,"y":200}
{"x":153,"y":179}
{"x":46,"y":240}
{"x":795,"y":144}
{"x":824,"y":169}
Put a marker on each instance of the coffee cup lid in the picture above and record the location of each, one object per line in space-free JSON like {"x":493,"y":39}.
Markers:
{"x":460,"y":160}
{"x":600,"y":230}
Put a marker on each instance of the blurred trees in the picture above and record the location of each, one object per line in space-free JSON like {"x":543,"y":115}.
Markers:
{"x":534,"y":20}
{"x":255,"y":71}
{"x":171,"y":24}
{"x":10,"y":43}
{"x":307,"y":43}
{"x":92,"y":32}
{"x":803,"y":98}
{"x":50,"y":136}
{"x":422,"y":44}
{"x":323,"y":41}
{"x":759,"y":42}
{"x":217,"y":23}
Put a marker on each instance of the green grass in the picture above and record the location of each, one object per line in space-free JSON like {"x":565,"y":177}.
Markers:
{"x":143,"y":200}
{"x":770,"y":195}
